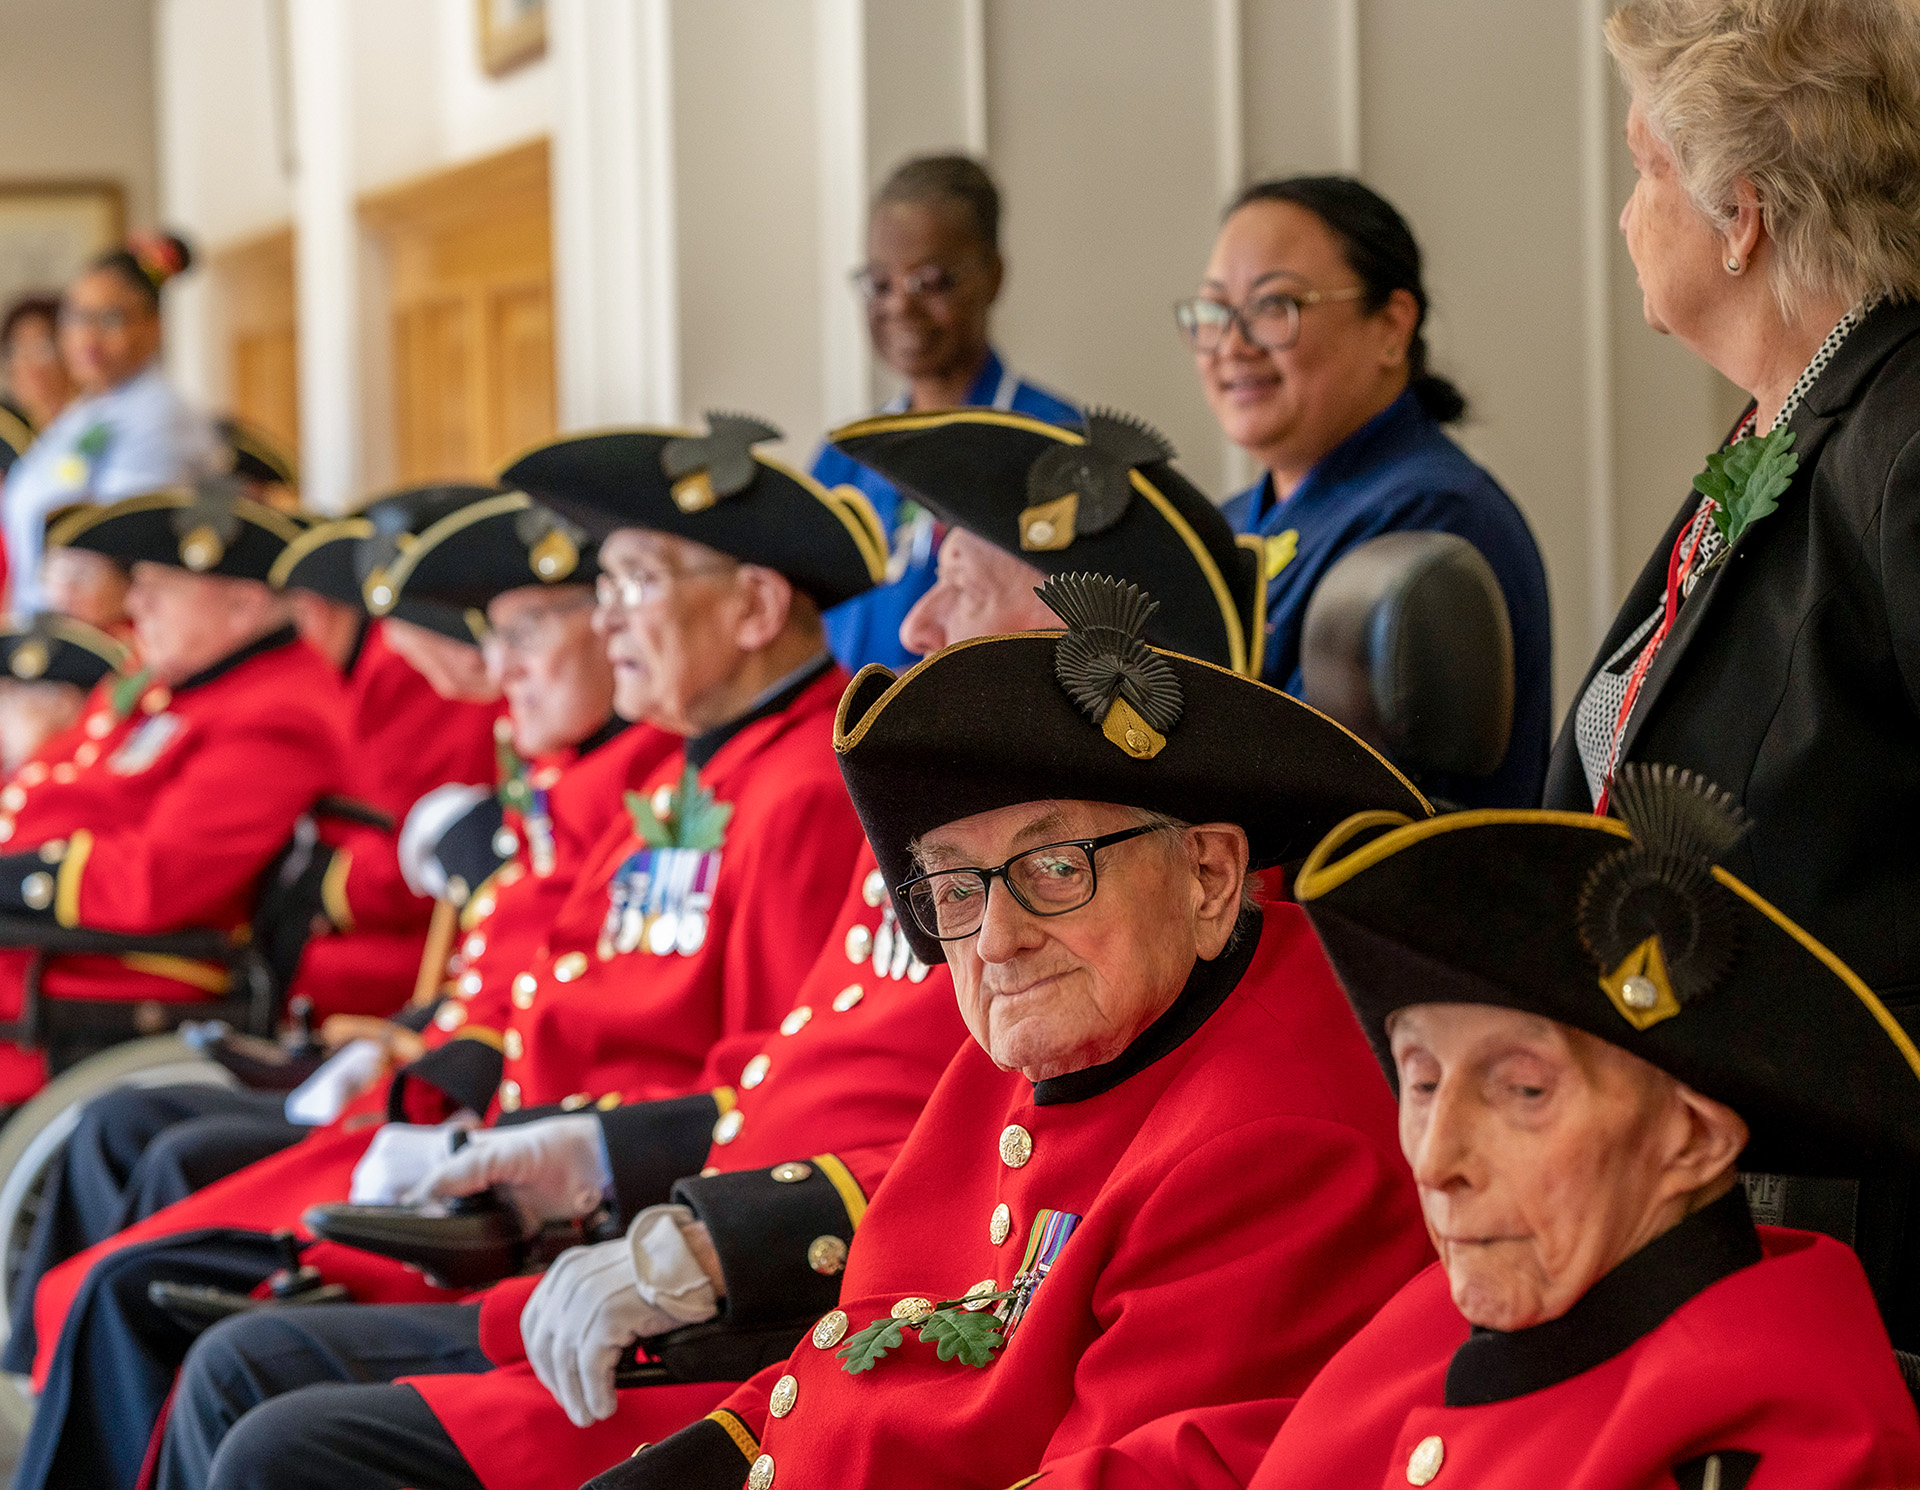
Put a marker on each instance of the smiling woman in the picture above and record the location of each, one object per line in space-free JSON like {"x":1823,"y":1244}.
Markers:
{"x":1307,"y":335}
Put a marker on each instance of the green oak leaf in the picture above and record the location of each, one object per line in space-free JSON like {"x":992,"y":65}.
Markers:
{"x":1745,"y":480}
{"x":126,"y":693}
{"x":958,"y":1332}
{"x":864,"y":1348}
{"x":93,"y":443}
{"x":514,"y":791}
{"x":646,"y":823}
{"x":702,"y":821}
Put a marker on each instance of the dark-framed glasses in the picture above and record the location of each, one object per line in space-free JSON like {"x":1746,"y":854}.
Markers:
{"x":1051,"y":880}
{"x":524,"y":635}
{"x":1269,"y":321}
{"x":928,"y":282}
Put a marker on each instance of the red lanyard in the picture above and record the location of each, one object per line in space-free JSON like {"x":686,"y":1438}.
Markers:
{"x":1679,"y":566}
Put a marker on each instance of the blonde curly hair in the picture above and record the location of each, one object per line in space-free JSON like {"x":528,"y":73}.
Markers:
{"x":1816,"y":102}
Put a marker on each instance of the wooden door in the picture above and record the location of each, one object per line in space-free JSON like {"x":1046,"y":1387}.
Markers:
{"x":254,"y":290}
{"x":469,"y":271}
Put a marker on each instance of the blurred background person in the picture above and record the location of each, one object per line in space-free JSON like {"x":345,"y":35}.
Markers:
{"x":128,"y":431}
{"x":1307,"y":336}
{"x":35,"y":379}
{"x":932,"y":274}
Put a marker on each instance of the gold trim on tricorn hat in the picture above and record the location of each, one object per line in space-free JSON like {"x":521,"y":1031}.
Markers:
{"x":1001,"y":720}
{"x":712,"y":487}
{"x":1103,"y":500}
{"x":1628,"y":930}
{"x":58,"y":649}
{"x":212,"y":527}
{"x":499,"y":542}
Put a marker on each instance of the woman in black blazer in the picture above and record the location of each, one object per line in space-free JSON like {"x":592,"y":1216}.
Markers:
{"x":1775,"y":649}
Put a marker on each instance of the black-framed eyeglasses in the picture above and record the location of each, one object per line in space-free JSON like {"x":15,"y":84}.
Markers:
{"x":1270,"y":321}
{"x":1051,"y":880}
{"x":928,"y":282}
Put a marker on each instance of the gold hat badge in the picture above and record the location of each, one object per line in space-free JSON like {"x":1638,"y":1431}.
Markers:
{"x":1105,"y":666}
{"x":208,"y":525}
{"x":1652,"y":916}
{"x":706,"y":469}
{"x":1077,"y":490}
{"x":553,"y":545}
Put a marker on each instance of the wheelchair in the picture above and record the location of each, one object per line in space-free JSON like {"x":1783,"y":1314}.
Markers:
{"x":94,"y":1046}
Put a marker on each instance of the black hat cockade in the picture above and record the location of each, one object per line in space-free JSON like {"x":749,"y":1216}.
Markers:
{"x":58,"y":649}
{"x":255,"y":457}
{"x":350,"y":559}
{"x":1104,"y":500}
{"x":713,"y":488}
{"x":1093,"y":713}
{"x":500,"y":542}
{"x":212,"y":527}
{"x":1626,"y":928}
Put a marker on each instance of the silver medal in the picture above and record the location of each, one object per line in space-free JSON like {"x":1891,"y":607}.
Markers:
{"x":693,"y":933}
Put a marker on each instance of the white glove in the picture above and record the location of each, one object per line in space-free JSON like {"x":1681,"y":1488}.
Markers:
{"x":552,"y":1169}
{"x":344,"y":1075}
{"x":420,"y":835}
{"x":596,"y":1301}
{"x":400,"y":1156}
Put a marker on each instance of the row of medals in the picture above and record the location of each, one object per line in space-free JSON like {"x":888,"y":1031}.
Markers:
{"x":627,"y":926}
{"x":886,"y":944}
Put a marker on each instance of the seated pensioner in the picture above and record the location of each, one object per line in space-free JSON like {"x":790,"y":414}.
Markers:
{"x":770,"y":1177}
{"x":1165,"y":1103}
{"x":1590,"y":1023}
{"x":164,"y":808}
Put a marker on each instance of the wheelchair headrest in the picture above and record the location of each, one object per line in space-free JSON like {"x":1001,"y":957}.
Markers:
{"x":1407,"y":643}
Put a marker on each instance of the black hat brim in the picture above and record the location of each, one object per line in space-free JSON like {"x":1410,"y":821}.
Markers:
{"x":828,"y":544}
{"x":141,"y":530}
{"x":470,"y":557}
{"x":984,"y":724}
{"x":1483,"y":908}
{"x":59,"y":649}
{"x":969,"y":468}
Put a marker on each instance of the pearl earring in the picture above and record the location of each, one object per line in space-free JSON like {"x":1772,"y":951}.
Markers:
{"x":1733,"y":266}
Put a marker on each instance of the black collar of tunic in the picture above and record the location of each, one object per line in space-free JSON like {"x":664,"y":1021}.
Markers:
{"x":601,"y":736}
{"x":1631,"y":1302}
{"x":1207,"y":988}
{"x":284,"y":637}
{"x":359,"y":646}
{"x":704,"y":747}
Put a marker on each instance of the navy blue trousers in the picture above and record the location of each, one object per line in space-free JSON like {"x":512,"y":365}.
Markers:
{"x":302,"y":1398}
{"x":135,"y":1151}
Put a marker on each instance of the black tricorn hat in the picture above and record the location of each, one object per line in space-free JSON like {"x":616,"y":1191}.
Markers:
{"x":58,"y":649}
{"x":1103,"y":500}
{"x":255,"y":456}
{"x":348,"y":559}
{"x":714,"y":489}
{"x":212,"y":527}
{"x":1094,"y":714}
{"x":1629,"y":931}
{"x":503,"y":541}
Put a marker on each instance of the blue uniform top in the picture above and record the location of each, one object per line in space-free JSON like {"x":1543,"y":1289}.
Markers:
{"x":131,"y":439}
{"x":867,"y":628}
{"x":1400,"y":472}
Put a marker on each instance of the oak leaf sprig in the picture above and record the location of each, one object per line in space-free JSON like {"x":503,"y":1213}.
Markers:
{"x":1745,"y":480}
{"x":956,"y":1328}
{"x":693,"y":818}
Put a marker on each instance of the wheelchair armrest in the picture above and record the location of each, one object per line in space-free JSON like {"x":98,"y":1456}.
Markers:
{"x":353,"y":810}
{"x":477,"y":1243}
{"x":714,"y":1351}
{"x":201,"y":944}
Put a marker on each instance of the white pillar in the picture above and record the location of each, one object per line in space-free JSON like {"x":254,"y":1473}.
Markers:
{"x":192,"y":345}
{"x":846,"y":354}
{"x":616,"y":295}
{"x":326,"y":247}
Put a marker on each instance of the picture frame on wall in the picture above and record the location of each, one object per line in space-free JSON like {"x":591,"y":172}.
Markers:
{"x":50,"y":230}
{"x":512,"y":33}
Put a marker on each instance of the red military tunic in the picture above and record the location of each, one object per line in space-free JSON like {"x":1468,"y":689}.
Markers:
{"x":406,"y":740}
{"x":511,"y":912}
{"x":169,"y":812}
{"x":839,"y":1087}
{"x":1211,"y":1214}
{"x":1780,"y":1370}
{"x":591,"y":1018}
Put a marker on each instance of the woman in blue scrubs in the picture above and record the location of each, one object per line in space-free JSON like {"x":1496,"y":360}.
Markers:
{"x":1306,"y":333}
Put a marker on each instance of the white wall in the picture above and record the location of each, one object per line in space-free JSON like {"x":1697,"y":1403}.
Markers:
{"x":711,"y":157}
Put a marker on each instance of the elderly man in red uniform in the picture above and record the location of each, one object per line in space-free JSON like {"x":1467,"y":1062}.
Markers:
{"x":132,"y":822}
{"x":1590,"y":1023}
